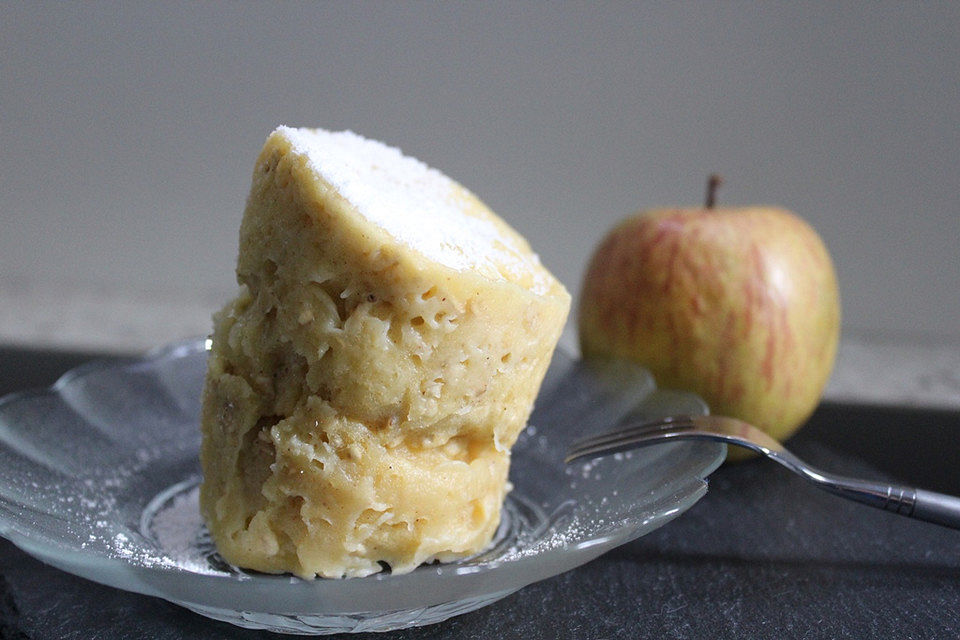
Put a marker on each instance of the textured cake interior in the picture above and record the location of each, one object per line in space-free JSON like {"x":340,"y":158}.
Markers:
{"x":366,"y":385}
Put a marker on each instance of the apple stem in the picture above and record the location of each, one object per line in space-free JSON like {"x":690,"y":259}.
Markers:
{"x":713,"y":182}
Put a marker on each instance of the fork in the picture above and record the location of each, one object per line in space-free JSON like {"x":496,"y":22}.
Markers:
{"x":907,"y":501}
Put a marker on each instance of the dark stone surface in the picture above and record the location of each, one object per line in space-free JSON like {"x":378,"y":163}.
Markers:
{"x":763,"y":555}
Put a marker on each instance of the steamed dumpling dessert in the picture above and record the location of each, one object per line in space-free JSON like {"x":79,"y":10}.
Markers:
{"x":366,"y":384}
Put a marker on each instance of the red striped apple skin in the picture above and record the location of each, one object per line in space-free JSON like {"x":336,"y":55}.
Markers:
{"x":740,"y":305}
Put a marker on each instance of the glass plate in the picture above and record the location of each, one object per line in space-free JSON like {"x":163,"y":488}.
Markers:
{"x":99,"y":477}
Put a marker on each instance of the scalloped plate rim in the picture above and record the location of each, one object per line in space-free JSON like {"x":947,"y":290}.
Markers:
{"x":136,"y":577}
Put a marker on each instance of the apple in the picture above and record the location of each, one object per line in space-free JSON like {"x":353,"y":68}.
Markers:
{"x":739,"y":305}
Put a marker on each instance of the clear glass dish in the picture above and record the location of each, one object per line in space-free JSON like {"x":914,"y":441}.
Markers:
{"x":99,"y":477}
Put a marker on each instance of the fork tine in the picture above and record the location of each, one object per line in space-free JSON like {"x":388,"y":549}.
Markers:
{"x":629,"y":437}
{"x":632,"y":429}
{"x":625,"y":443}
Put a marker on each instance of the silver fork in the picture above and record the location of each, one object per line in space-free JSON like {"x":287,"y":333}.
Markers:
{"x":906,"y":501}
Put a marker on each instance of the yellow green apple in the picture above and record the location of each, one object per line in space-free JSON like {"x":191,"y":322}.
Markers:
{"x":739,"y":305}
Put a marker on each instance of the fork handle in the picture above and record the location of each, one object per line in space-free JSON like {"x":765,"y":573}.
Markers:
{"x":919,"y":504}
{"x":937,"y":507}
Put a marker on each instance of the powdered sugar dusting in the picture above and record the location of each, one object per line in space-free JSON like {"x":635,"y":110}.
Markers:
{"x":417,"y":205}
{"x":176,"y":528}
{"x":172,"y":533}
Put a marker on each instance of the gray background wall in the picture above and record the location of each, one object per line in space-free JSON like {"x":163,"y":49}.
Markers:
{"x":128,"y":131}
